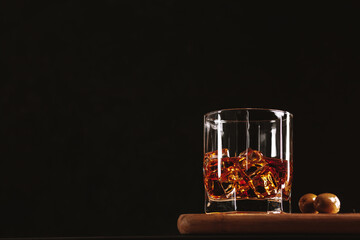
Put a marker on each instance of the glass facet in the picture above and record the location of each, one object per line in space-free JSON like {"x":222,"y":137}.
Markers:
{"x":248,"y":160}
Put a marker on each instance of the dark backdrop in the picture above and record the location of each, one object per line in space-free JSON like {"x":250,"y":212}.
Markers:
{"x":102,"y":105}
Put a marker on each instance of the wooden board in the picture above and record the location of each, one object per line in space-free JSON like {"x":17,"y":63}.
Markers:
{"x":348,"y":223}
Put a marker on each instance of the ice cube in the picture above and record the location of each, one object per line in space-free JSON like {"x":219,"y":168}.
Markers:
{"x":214,"y":154}
{"x":251,"y":154}
{"x":211,"y":160}
{"x":229,"y":188}
{"x":280,"y":166}
{"x":229,"y":177}
{"x":233,"y":180}
{"x":219,"y":175}
{"x":282,"y":172}
{"x":265,"y":183}
{"x":251,"y":162}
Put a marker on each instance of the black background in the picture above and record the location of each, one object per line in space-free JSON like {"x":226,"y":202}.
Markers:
{"x":102,"y":105}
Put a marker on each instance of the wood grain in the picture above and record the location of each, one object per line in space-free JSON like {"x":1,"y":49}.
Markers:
{"x":348,"y":223}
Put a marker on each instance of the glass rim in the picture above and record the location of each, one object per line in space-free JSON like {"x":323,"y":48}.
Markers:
{"x":206,"y":115}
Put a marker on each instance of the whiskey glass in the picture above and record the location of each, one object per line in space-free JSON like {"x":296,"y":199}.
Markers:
{"x":248,"y":160}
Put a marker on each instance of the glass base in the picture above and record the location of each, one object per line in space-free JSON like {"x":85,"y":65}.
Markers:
{"x":248,"y":206}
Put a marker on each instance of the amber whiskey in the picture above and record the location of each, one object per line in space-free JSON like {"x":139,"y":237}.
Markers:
{"x":250,"y":175}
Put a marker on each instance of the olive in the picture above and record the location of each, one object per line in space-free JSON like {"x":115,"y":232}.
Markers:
{"x":327,"y":203}
{"x":306,"y":203}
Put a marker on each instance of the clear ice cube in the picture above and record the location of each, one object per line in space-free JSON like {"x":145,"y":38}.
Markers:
{"x":251,"y":162}
{"x":233,"y":180}
{"x":214,"y":154}
{"x":265,"y":182}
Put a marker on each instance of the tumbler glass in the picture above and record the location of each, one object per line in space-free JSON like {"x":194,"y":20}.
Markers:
{"x":248,"y":159}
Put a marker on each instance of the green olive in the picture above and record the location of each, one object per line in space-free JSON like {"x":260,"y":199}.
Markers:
{"x":306,"y":203}
{"x":327,"y":203}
